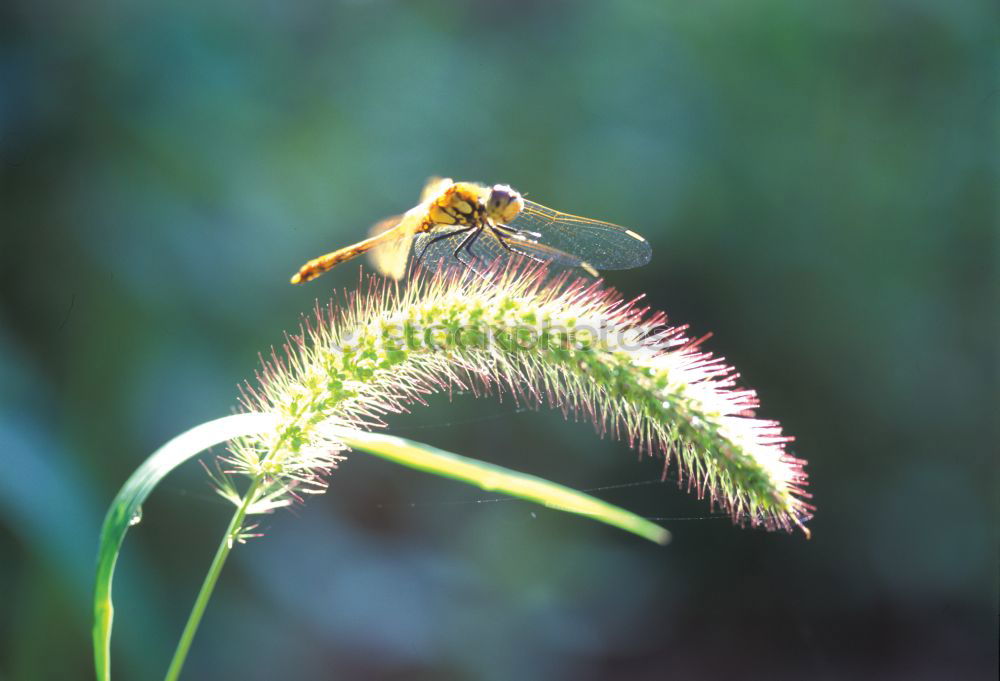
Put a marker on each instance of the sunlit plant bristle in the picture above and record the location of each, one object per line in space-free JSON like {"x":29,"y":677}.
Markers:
{"x":575,"y":345}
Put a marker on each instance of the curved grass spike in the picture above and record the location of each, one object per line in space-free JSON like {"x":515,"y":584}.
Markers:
{"x":572,"y":344}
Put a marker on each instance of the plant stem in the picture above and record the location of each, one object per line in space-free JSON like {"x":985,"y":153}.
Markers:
{"x":200,"y":603}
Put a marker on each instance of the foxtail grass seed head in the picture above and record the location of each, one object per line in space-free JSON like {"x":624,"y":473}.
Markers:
{"x":573,"y":344}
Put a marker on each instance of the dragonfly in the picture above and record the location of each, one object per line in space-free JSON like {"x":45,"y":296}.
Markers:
{"x":483,"y":227}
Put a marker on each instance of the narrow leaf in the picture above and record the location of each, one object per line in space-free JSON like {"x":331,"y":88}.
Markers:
{"x":126,"y":510}
{"x":498,"y":479}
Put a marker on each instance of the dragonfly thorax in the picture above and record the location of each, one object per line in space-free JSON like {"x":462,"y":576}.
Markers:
{"x":503,"y":203}
{"x":458,"y":204}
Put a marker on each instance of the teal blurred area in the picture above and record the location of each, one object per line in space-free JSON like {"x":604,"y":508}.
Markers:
{"x":818,"y":181}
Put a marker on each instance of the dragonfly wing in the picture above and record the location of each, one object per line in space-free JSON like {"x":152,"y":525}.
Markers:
{"x":435,"y":249}
{"x":389,"y":257}
{"x":528,"y":247}
{"x":601,"y":244}
{"x":485,"y":252}
{"x":433,"y":188}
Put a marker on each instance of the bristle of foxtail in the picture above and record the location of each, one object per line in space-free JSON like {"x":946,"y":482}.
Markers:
{"x":572,"y":343}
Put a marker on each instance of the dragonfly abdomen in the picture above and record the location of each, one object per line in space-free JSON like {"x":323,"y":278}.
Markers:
{"x":324,"y":263}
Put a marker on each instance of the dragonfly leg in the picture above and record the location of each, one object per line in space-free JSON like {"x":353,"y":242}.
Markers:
{"x":447,"y":235}
{"x":503,"y":238}
{"x":505,"y":233}
{"x":467,"y":244}
{"x":511,"y":231}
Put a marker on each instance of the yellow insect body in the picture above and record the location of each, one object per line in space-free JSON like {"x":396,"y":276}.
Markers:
{"x":476,"y":225}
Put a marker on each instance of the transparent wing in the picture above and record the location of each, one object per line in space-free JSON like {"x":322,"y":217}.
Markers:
{"x":443,"y":247}
{"x":600,"y":244}
{"x":433,"y":187}
{"x":389,"y":257}
{"x":435,"y":250}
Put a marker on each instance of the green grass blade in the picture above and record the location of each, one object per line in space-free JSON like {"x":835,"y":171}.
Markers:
{"x":126,"y":509}
{"x":498,"y":479}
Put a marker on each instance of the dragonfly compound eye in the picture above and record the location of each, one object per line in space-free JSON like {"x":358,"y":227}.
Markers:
{"x":504,"y":203}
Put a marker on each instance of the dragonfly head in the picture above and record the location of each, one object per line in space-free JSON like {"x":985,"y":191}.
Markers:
{"x":504,"y":203}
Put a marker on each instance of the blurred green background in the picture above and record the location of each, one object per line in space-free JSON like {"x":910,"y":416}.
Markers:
{"x":817,"y":179}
